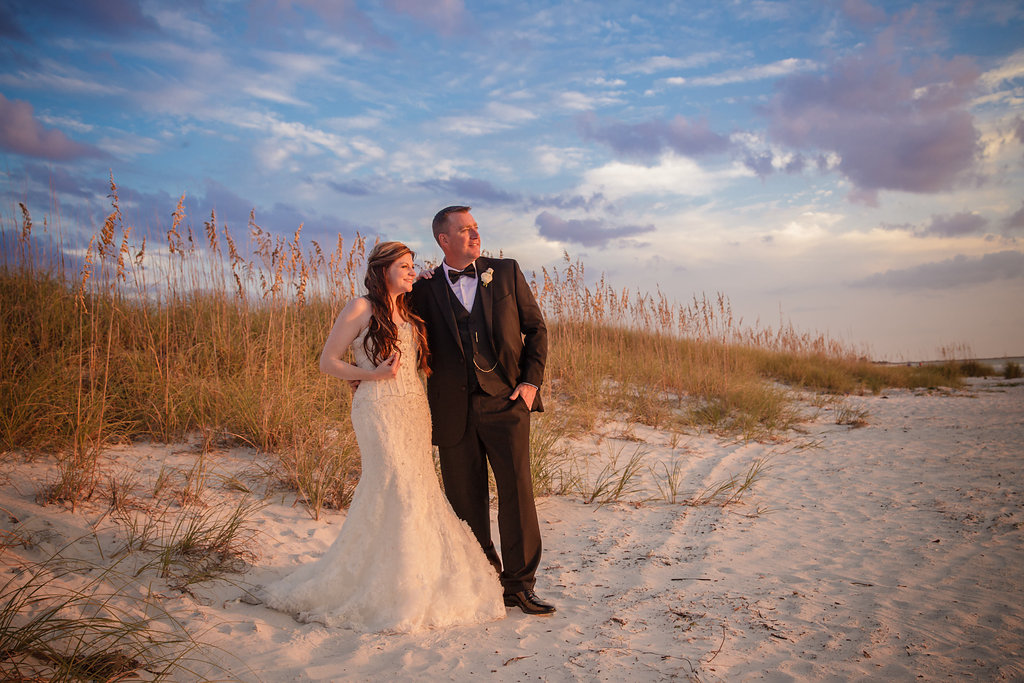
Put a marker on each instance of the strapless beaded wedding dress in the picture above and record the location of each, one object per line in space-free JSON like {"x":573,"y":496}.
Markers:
{"x":402,"y":561}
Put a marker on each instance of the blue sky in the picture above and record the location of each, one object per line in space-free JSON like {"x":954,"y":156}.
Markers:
{"x":856,"y":167}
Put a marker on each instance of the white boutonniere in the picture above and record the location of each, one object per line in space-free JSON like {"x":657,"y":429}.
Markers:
{"x":487,"y":276}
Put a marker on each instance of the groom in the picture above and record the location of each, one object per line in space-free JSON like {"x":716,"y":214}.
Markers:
{"x":488,"y":344}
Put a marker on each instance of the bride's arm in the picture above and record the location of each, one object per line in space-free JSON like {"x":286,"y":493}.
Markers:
{"x":353,"y":318}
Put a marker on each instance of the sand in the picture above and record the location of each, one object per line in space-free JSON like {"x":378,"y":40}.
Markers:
{"x":890,"y":551}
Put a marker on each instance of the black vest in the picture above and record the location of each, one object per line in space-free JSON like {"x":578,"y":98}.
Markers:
{"x":482,"y":371}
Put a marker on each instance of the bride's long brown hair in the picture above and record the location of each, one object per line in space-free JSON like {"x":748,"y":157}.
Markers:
{"x":381,"y":338}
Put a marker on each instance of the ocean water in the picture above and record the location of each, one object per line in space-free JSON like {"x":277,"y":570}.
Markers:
{"x":997,"y":363}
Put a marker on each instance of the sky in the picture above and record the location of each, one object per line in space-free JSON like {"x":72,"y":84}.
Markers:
{"x":854,"y":168}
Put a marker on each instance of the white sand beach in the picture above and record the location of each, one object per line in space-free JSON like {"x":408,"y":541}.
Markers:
{"x":891,"y":551}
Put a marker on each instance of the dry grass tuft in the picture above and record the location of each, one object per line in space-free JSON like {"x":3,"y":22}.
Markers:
{"x":56,"y":627}
{"x":1012,"y":370}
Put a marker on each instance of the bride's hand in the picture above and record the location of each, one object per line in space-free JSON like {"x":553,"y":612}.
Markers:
{"x":388,"y":369}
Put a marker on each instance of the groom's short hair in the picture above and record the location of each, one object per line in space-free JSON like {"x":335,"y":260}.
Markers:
{"x":441,"y":217}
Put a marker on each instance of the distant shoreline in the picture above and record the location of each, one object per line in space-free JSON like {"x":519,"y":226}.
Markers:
{"x":997,"y":363}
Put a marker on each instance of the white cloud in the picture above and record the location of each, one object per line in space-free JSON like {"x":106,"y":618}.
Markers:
{"x":274,"y":155}
{"x":300,"y":132}
{"x":358,"y":122}
{"x":176,"y":22}
{"x":495,"y":117}
{"x":58,"y":77}
{"x":1010,"y":69}
{"x":287,"y":140}
{"x":295,"y":63}
{"x":194,"y":77}
{"x":368,"y":148}
{"x":1008,"y":99}
{"x":271,"y":95}
{"x":553,"y":160}
{"x":762,"y":9}
{"x":664,"y":63}
{"x":673,"y":174}
{"x":781,"y":158}
{"x":286,"y":71}
{"x":128,"y":145}
{"x":750,"y":73}
{"x":999,"y":143}
{"x":808,"y":227}
{"x":417,"y":160}
{"x":188,"y":60}
{"x":605,"y":82}
{"x":65,"y":122}
{"x":179,"y":99}
{"x":335,"y":42}
{"x":577,"y":101}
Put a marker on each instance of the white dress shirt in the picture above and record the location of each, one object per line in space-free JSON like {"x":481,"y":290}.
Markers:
{"x":465,"y":288}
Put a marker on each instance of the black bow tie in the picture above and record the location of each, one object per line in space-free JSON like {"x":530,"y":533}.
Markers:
{"x":470,"y":271}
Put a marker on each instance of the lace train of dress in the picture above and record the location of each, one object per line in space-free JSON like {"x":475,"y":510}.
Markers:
{"x":402,"y":561}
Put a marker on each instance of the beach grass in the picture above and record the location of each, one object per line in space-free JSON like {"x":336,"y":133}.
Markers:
{"x":67,"y":619}
{"x":57,"y":626}
{"x":1012,"y":370}
{"x":617,"y":478}
{"x":198,"y":334}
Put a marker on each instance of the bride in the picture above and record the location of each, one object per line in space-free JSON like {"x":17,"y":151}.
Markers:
{"x":403,"y":561}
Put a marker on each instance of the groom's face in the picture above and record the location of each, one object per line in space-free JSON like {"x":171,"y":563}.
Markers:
{"x":460,"y":242}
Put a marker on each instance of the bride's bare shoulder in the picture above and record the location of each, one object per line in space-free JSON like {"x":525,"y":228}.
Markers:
{"x":359,"y":303}
{"x":357,"y":310}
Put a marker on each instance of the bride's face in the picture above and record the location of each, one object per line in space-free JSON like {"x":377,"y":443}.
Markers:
{"x":400,"y":275}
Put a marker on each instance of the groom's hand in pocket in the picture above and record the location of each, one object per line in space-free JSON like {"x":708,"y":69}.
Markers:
{"x":527,"y":392}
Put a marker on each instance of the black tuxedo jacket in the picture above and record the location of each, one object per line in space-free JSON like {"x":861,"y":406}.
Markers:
{"x":517,"y":332}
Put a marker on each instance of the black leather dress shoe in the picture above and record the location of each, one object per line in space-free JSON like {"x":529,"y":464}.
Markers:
{"x":528,"y":602}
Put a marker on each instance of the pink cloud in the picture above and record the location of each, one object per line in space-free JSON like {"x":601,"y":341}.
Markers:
{"x":21,"y":133}
{"x":341,"y":16}
{"x":897,"y":123}
{"x":1015,"y":221}
{"x":590,"y":232}
{"x":862,"y":12}
{"x":446,"y":17}
{"x":649,"y":138}
{"x":959,"y":271}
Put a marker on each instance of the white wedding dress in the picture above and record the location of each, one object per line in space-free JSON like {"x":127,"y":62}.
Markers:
{"x":402,"y":561}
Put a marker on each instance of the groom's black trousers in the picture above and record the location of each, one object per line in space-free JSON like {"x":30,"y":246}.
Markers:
{"x":498,"y":432}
